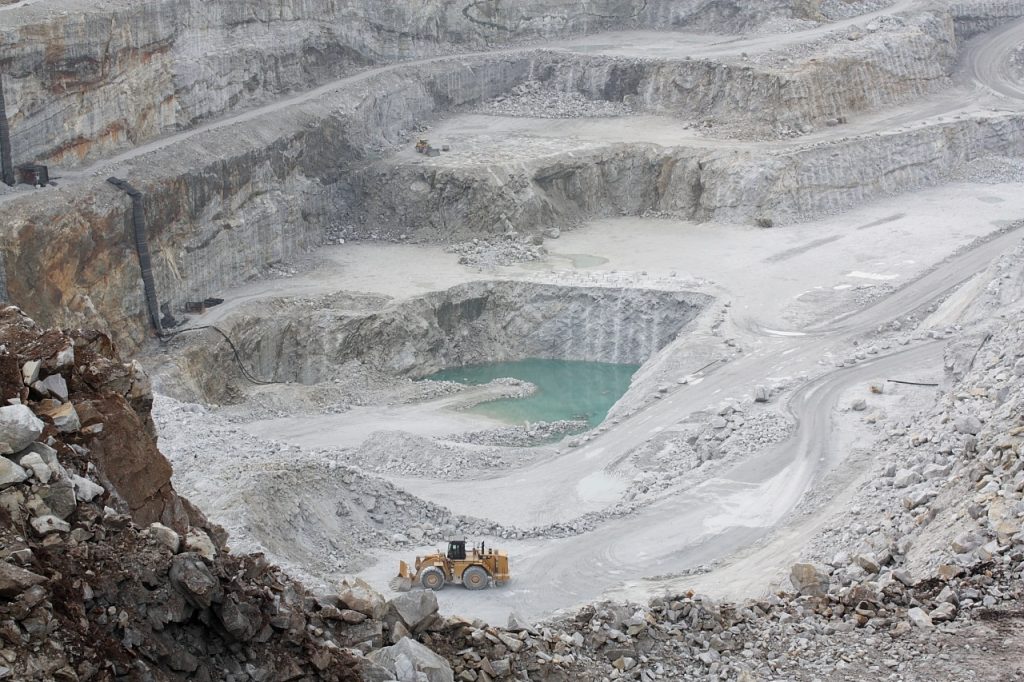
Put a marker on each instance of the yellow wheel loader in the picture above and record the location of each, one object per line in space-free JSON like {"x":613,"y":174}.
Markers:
{"x":475,"y":569}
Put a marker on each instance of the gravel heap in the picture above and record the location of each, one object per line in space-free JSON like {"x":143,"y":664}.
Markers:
{"x":990,"y":170}
{"x":680,"y":458}
{"x":521,"y":436}
{"x":387,"y":453}
{"x":509,"y":249}
{"x":535,"y":99}
{"x":836,"y":10}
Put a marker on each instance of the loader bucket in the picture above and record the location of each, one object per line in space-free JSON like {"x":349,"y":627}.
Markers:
{"x":403,"y":581}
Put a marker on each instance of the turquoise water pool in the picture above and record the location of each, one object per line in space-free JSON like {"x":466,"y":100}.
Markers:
{"x":566,"y":389}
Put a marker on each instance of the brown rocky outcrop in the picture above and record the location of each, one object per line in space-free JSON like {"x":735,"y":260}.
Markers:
{"x":90,"y":587}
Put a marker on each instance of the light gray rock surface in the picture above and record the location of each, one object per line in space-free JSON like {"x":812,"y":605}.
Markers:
{"x":19,"y":427}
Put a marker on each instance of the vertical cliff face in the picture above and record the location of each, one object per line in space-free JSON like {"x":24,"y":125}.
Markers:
{"x":460,"y":200}
{"x":865,"y":72}
{"x":977,"y":16}
{"x":87,"y":82}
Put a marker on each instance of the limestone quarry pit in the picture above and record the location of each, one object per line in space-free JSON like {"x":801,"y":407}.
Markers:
{"x":798,"y":220}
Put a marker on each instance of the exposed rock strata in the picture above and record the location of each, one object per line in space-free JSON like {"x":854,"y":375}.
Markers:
{"x":94,"y":79}
{"x":216,"y":202}
{"x":553,"y":184}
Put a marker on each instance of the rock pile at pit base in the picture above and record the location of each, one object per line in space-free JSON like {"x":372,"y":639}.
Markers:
{"x":508,"y":249}
{"x":534,"y":99}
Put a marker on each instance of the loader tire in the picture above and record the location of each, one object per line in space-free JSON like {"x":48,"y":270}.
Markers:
{"x":432,"y":579}
{"x":475,"y":578}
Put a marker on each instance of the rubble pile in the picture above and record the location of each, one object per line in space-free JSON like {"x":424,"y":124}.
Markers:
{"x":824,"y":629}
{"x":989,"y":170}
{"x":834,"y":10}
{"x":387,"y":452}
{"x":678,"y":456}
{"x":534,"y":433}
{"x":508,"y":249}
{"x":534,"y":99}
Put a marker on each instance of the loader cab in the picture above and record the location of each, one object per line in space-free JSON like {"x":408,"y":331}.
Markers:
{"x":457,"y":550}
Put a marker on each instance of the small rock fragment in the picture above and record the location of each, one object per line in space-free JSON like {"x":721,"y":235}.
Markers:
{"x":919,"y":618}
{"x":167,"y":537}
{"x":44,"y":525}
{"x":10,"y":473}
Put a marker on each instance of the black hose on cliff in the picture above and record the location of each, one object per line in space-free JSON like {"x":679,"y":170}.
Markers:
{"x":146,"y":265}
{"x":6,"y":165}
{"x":142,"y":248}
{"x":164,"y":336}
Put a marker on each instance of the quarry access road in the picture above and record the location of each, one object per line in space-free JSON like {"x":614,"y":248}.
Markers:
{"x":983,"y":85}
{"x":986,"y":62}
{"x":673,"y":44}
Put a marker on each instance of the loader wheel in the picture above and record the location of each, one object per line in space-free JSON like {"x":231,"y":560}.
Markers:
{"x":475,"y":578}
{"x":432,"y":579}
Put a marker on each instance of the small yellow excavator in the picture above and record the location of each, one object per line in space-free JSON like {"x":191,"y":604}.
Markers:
{"x":476,"y":569}
{"x":424,"y":147}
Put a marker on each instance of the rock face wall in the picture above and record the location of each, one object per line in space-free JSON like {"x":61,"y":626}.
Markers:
{"x":866,"y":71}
{"x":92,"y":80}
{"x":468,"y":324}
{"x":692,"y":183}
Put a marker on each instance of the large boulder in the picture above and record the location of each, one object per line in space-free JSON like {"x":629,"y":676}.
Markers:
{"x":59,"y":496}
{"x":918,"y":618}
{"x":240,"y":619}
{"x":809,"y":580}
{"x":357,"y":595}
{"x":407,"y":659}
{"x":906,"y":477}
{"x":85,"y":490}
{"x":56,"y":386}
{"x":415,"y":609}
{"x":32,"y":461}
{"x":969,"y":425}
{"x":19,"y":427}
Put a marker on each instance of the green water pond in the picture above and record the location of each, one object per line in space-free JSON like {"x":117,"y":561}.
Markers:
{"x":566,"y":389}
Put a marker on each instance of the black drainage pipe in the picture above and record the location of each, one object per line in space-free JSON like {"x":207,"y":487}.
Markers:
{"x":142,"y":248}
{"x":6,"y":165}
